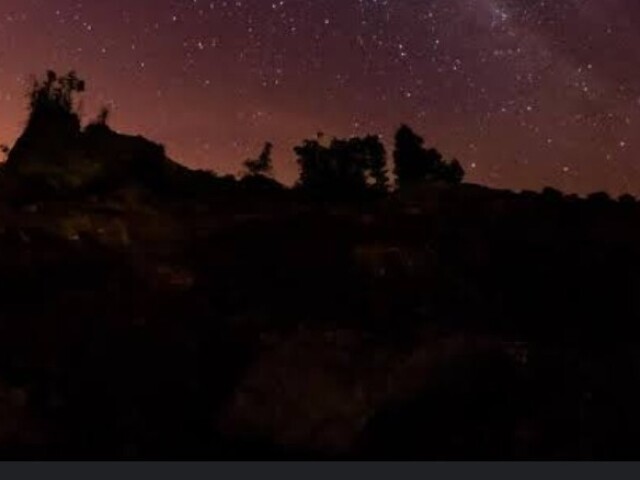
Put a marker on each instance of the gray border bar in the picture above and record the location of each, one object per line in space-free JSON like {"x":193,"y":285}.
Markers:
{"x":318,"y":470}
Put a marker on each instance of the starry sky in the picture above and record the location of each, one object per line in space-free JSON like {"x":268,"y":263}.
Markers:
{"x":525,"y":93}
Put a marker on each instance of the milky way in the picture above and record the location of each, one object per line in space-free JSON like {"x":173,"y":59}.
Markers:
{"x":526,"y":93}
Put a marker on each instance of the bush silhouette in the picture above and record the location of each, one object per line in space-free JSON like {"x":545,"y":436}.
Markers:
{"x":55,"y":93}
{"x":263,"y":165}
{"x":346,"y":167}
{"x":599,"y":198}
{"x":415,"y":164}
{"x":550,"y":193}
{"x":103,"y":117}
{"x":453,"y":173}
{"x":627,"y":199}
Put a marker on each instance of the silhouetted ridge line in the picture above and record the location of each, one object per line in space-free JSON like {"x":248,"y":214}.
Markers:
{"x":56,"y":157}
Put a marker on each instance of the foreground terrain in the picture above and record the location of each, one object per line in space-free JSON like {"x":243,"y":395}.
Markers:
{"x":445,"y":323}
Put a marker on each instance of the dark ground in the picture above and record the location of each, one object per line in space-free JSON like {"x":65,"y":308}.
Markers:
{"x":449,"y":323}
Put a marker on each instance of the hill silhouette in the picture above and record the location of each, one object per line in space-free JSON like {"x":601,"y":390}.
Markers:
{"x":149,"y":311}
{"x":56,"y":157}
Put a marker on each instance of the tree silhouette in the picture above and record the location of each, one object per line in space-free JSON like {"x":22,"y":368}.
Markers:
{"x":599,"y":198}
{"x":374,"y":153}
{"x":346,"y":167}
{"x":55,"y":94}
{"x":415,"y":164}
{"x":550,"y":193}
{"x":453,"y":172}
{"x":627,"y":198}
{"x":263,"y":165}
{"x":103,"y":116}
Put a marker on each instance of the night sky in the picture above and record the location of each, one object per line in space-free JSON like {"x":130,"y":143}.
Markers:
{"x":526,"y":93}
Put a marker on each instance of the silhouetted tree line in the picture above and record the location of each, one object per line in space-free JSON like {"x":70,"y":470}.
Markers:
{"x":345,"y":166}
{"x":341,"y":167}
{"x":48,"y":150}
{"x":359,"y":164}
{"x":56,"y":154}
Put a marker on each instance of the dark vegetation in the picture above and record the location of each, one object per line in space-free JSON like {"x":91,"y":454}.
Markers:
{"x":148,"y":311}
